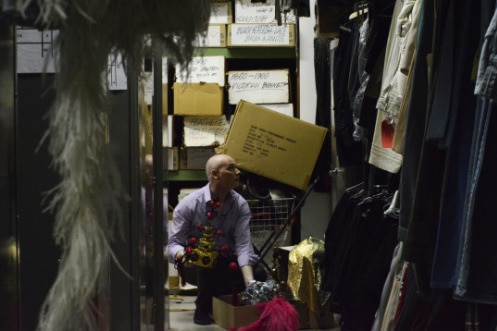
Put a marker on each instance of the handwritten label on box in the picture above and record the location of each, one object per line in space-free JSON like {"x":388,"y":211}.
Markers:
{"x":260,"y":34}
{"x":207,"y":69}
{"x":258,"y":86}
{"x":247,"y":11}
{"x":204,"y":130}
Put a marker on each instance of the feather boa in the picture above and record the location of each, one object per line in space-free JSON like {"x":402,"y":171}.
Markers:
{"x":276,"y":315}
{"x":86,"y":202}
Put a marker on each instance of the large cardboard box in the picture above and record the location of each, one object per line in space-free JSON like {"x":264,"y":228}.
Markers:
{"x":274,"y":145}
{"x":228,"y":316}
{"x":198,"y":99}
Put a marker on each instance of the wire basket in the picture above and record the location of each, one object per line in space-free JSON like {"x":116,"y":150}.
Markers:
{"x":269,"y":216}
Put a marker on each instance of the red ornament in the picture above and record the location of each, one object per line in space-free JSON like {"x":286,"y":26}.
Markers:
{"x":233,"y":266}
{"x":219,"y":232}
{"x":212,"y":203}
{"x":218,"y":204}
{"x":193,"y":241}
{"x":198,"y":227}
{"x":210,"y":215}
{"x":188,"y":251}
{"x":224,"y":249}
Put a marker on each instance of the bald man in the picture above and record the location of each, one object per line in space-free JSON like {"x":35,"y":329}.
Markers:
{"x":227,"y":212}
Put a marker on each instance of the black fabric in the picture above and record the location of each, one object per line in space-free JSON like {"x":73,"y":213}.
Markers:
{"x":322,"y":71}
{"x":349,"y":151}
{"x":359,"y":244}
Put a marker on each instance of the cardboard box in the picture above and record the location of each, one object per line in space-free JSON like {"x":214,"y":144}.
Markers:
{"x":273,"y":145}
{"x":198,"y":99}
{"x":194,"y":158}
{"x":248,"y":11}
{"x":216,"y":36}
{"x":228,"y":316}
{"x":205,"y":131}
{"x":261,"y":35}
{"x":221,"y":13}
{"x":202,"y":69}
{"x":259,"y":86}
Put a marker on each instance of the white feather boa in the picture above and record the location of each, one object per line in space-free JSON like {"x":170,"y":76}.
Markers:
{"x":86,"y":202}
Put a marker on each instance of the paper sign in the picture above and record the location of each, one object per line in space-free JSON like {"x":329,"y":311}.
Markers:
{"x":206,"y":69}
{"x":116,"y":76}
{"x":204,"y":130}
{"x":258,"y":86}
{"x":35,"y":53}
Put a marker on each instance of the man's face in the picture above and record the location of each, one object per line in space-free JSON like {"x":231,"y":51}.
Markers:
{"x":229,"y":175}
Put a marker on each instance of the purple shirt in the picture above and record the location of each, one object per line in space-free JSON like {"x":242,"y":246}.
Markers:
{"x":234,"y":222}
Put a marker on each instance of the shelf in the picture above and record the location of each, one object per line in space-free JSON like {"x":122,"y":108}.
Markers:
{"x":185,"y":175}
{"x":249,"y":52}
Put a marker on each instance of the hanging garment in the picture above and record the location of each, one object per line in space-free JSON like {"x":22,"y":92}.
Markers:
{"x":473,"y":272}
{"x":462,"y":24}
{"x":392,"y":88}
{"x":363,"y":244}
{"x":349,"y":151}
{"x":416,"y":114}
{"x":391,"y":293}
{"x":476,"y":269}
{"x":322,"y":71}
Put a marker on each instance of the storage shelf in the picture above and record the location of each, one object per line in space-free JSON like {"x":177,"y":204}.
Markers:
{"x":249,"y":52}
{"x":185,"y":175}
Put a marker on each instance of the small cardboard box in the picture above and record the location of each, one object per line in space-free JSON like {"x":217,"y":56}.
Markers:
{"x":274,"y":145}
{"x":216,"y":36}
{"x":198,"y":99}
{"x":261,"y":35}
{"x":249,"y":11}
{"x":228,"y":316}
{"x":221,"y":13}
{"x":194,"y":158}
{"x":205,"y":131}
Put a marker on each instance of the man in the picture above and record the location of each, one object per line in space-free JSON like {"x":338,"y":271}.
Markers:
{"x":215,"y":214}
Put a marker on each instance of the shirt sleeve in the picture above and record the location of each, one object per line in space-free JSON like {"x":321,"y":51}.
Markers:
{"x":243,"y":241}
{"x":182,"y":217}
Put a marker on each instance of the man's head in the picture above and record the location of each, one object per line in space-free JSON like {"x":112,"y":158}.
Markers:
{"x":222,"y":172}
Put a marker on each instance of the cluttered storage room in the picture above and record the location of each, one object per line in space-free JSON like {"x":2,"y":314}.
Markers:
{"x":248,"y":165}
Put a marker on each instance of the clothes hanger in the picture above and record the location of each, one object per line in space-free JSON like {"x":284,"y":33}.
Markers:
{"x":361,"y":8}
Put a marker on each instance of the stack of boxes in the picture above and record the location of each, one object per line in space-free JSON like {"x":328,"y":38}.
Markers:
{"x":203,"y":92}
